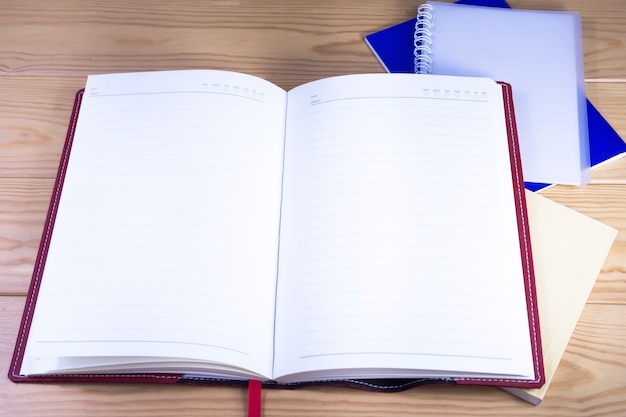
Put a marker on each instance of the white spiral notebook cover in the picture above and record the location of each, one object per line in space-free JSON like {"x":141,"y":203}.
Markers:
{"x":540,"y":54}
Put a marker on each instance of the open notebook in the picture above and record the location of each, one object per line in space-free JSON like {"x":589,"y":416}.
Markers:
{"x":210,"y":225}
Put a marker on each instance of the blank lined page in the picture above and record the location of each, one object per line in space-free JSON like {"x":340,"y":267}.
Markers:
{"x":165,"y":242}
{"x":393,"y":256}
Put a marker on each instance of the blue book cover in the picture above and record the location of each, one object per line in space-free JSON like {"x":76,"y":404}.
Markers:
{"x":394,"y":49}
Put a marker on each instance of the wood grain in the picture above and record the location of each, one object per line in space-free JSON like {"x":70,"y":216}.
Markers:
{"x":117,"y":36}
{"x":241,"y":36}
{"x":34,"y":114}
{"x":608,"y":98}
{"x":23,"y":209}
{"x":48,"y":48}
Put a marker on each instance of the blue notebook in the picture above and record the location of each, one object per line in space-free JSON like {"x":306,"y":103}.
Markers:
{"x":394,"y":48}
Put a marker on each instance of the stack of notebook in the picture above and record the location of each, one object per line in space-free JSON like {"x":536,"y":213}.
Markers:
{"x":540,"y":54}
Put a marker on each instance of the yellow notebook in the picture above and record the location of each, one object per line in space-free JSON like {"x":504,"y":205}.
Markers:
{"x":569,"y":250}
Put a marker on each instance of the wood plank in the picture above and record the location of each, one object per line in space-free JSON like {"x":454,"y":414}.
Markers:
{"x":286,"y":42}
{"x":612,"y":173}
{"x":608,"y":98}
{"x":23,"y":209}
{"x":34,"y":114}
{"x":590,"y":382}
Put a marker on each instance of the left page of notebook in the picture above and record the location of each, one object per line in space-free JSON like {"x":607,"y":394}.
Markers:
{"x":165,"y":244}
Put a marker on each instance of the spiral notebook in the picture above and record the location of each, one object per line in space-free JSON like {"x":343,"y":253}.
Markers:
{"x":540,"y":54}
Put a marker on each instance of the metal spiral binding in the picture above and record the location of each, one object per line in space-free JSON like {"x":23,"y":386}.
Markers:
{"x":422,"y":40}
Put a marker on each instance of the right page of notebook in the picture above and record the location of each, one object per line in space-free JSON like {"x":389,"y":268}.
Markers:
{"x":540,"y":54}
{"x":393,"y":257}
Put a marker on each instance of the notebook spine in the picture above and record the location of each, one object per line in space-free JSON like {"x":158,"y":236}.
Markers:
{"x":422,"y":41}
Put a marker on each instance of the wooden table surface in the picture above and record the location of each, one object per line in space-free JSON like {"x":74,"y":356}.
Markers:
{"x":48,"y":47}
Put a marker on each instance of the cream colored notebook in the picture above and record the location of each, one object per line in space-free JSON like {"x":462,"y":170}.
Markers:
{"x":569,"y":250}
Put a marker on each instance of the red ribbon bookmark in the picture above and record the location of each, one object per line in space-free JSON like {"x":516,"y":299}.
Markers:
{"x":254,"y":398}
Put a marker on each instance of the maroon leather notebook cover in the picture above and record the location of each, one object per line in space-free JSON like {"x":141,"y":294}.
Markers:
{"x":388,"y":385}
{"x":526,"y":253}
